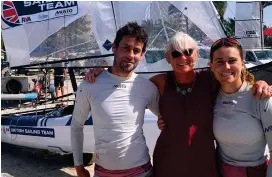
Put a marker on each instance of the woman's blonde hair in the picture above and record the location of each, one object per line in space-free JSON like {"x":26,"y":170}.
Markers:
{"x":247,"y":76}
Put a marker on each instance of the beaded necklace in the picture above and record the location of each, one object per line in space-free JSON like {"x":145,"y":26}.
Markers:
{"x":185,"y":91}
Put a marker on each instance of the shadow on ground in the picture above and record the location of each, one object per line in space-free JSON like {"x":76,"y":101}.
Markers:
{"x":19,"y":161}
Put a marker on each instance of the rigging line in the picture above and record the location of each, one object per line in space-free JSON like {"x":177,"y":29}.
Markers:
{"x":155,"y":38}
{"x":171,"y":29}
{"x":219,"y":21}
{"x":234,"y":17}
{"x":212,"y":19}
{"x":28,"y":34}
{"x":65,"y":28}
{"x":243,"y":27}
{"x":46,"y":61}
{"x":186,"y":13}
{"x":60,"y":61}
{"x":66,"y":57}
{"x":163,"y":25}
{"x":114,"y":16}
{"x":239,"y":22}
{"x":231,"y":10}
{"x":68,"y":47}
{"x":147,"y":12}
{"x":253,"y":19}
{"x":74,"y":67}
{"x":261,"y":25}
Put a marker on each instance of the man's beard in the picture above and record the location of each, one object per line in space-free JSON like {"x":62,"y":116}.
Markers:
{"x":124,"y":66}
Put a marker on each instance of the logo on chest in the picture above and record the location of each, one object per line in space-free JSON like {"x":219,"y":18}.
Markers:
{"x":119,"y":86}
{"x":232,"y":102}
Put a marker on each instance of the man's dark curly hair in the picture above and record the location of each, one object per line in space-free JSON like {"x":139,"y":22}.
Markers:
{"x":134,"y":30}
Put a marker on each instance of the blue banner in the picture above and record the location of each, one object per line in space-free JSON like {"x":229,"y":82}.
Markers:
{"x":15,"y":13}
{"x":32,"y":131}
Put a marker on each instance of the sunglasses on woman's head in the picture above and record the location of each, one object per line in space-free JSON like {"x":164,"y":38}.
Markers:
{"x":186,"y":52}
{"x":224,"y":41}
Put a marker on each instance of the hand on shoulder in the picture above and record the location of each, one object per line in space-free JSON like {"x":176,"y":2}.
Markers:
{"x":92,"y":74}
{"x":262,"y":90}
{"x":159,"y":81}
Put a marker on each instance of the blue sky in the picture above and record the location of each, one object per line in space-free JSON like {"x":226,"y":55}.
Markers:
{"x":230,"y":12}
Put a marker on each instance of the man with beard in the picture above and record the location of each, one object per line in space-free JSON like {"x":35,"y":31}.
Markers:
{"x":117,"y":100}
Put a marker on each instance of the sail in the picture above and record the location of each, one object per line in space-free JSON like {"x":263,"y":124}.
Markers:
{"x":162,"y":19}
{"x":38,"y":31}
{"x":248,"y":24}
{"x":50,"y":31}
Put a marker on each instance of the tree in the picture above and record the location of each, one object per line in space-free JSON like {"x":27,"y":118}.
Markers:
{"x":229,"y":25}
{"x":266,"y":3}
{"x":221,"y":7}
{"x":267,"y":39}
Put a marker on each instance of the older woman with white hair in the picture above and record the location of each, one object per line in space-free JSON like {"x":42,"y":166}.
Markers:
{"x":186,"y":146}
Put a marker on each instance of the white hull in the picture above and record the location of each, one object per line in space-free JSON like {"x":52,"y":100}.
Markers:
{"x":61,"y":142}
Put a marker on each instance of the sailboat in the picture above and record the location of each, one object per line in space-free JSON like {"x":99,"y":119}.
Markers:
{"x":249,"y":32}
{"x":36,"y":33}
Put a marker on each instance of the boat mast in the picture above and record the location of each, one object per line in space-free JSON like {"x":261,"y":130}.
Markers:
{"x":261,"y":25}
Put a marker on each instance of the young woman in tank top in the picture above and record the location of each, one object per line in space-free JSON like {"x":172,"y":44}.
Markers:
{"x":242,"y":125}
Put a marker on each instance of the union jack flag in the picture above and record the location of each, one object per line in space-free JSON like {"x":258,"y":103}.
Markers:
{"x":9,"y":12}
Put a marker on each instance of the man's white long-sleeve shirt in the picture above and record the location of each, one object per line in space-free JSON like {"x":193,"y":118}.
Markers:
{"x":118,"y":106}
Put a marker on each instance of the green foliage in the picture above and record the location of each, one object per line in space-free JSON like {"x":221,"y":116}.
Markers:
{"x":221,"y":7}
{"x":229,"y":25}
{"x":266,"y":3}
{"x":268,"y":41}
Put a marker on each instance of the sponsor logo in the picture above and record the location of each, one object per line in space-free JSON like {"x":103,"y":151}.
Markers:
{"x":107,"y":45}
{"x":63,"y":12}
{"x":32,"y":131}
{"x":268,"y":129}
{"x":119,"y":86}
{"x":233,"y":102}
{"x":26,"y":19}
{"x":4,"y":129}
{"x":9,"y":13}
{"x":42,"y":16}
{"x":247,"y":34}
{"x":35,"y":11}
{"x":251,"y":33}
